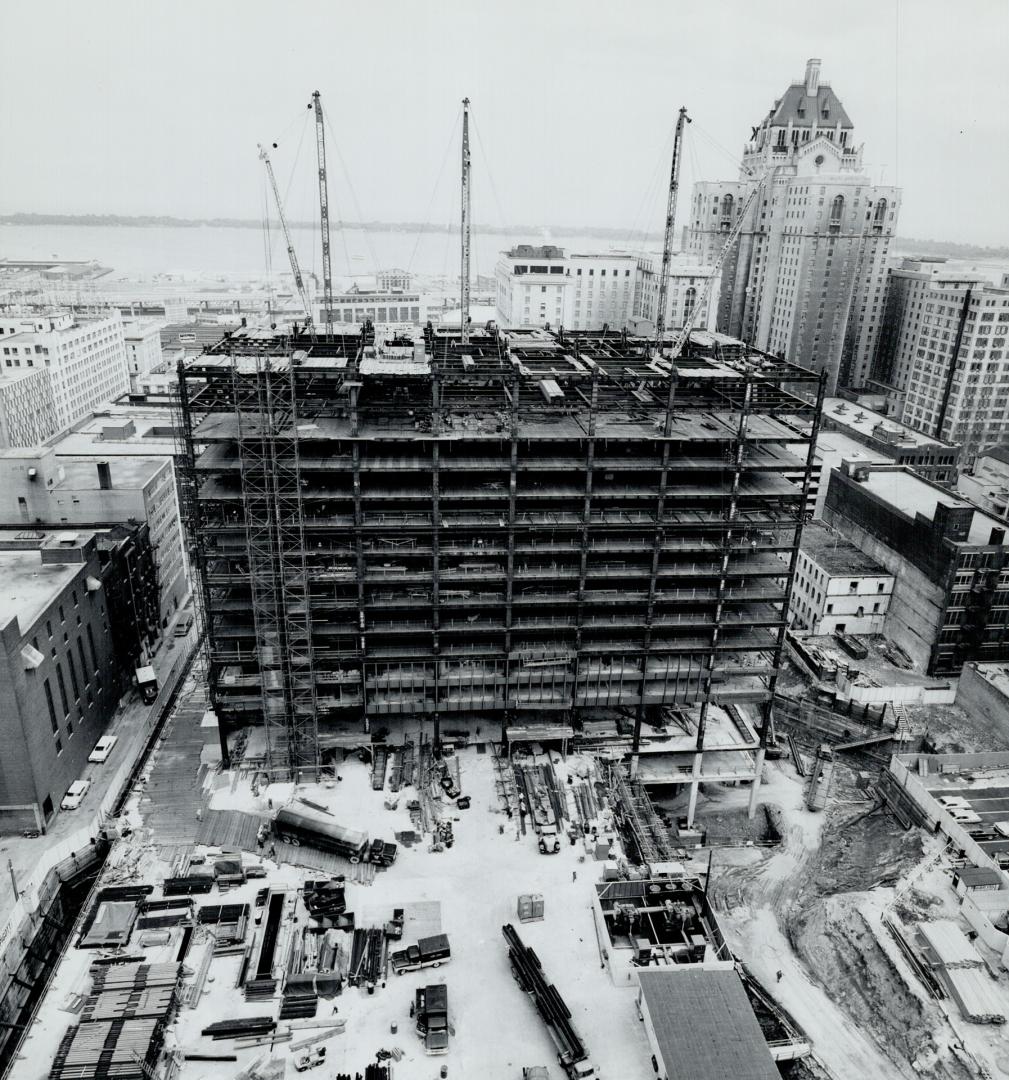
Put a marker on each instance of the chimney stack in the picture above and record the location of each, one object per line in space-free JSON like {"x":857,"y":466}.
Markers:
{"x":104,"y":476}
{"x":812,"y":77}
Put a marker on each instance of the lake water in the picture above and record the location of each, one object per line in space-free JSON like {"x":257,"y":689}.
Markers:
{"x":141,"y":252}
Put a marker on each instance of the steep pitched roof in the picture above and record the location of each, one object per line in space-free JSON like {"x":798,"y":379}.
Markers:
{"x":1000,"y":452}
{"x":797,"y":106}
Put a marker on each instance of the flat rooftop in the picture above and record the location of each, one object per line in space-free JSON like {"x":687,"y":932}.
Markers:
{"x":909,"y":493}
{"x":836,"y":554}
{"x":705,"y":1026}
{"x":836,"y":446}
{"x":875,"y":425}
{"x":128,"y":473}
{"x":28,"y":586}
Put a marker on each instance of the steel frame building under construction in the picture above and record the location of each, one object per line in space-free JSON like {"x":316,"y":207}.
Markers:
{"x":530,"y":525}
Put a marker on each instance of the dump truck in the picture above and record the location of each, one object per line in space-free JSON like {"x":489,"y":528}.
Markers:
{"x":431,"y":1014}
{"x":428,"y":952}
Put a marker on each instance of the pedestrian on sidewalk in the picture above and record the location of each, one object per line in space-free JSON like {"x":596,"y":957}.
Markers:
{"x":574,"y":875}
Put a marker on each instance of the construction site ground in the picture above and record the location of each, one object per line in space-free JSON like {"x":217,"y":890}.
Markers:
{"x":806,"y":917}
{"x":468,"y":891}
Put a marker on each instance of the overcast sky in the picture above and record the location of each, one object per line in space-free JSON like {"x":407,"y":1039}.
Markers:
{"x":156,"y":108}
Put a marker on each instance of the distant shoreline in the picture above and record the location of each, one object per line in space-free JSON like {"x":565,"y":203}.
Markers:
{"x":905,"y":245}
{"x":164,"y":222}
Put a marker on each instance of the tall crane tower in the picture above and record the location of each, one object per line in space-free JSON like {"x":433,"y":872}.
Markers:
{"x":295,"y":268}
{"x":464,"y":293}
{"x":327,"y":270}
{"x":702,"y":300}
{"x":667,"y":243}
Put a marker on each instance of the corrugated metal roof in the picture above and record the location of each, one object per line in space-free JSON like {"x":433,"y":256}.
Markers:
{"x":949,"y":943}
{"x":973,"y":876}
{"x":705,"y":1026}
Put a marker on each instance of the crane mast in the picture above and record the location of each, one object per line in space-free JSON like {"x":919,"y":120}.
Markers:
{"x":688,"y":324}
{"x":327,"y":271}
{"x":667,"y":243}
{"x":295,"y":268}
{"x":464,"y":274}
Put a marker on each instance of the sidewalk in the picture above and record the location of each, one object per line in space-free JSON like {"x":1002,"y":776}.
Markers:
{"x":133,"y":721}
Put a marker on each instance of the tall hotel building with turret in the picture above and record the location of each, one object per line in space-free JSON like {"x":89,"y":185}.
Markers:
{"x":806,"y":277}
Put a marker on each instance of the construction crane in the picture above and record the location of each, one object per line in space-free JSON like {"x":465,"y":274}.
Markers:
{"x":327,"y":271}
{"x":464,"y":273}
{"x":667,"y":242}
{"x":295,"y":268}
{"x":702,"y":300}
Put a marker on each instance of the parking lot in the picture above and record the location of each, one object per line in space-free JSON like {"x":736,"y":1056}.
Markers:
{"x":991,"y":804}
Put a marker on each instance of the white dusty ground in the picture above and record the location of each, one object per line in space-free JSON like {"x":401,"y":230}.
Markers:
{"x":476,"y":882}
{"x":752,"y":891}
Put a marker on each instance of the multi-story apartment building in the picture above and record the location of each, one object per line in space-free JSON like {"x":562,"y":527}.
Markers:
{"x":27,"y":413}
{"x":805,"y":279}
{"x":950,"y":561}
{"x":521,"y":529}
{"x":837,"y":587}
{"x":532,"y":285}
{"x":40,"y":488}
{"x":84,"y":357}
{"x":546,"y":287}
{"x":142,"y":339}
{"x":944,"y":356}
{"x":73,"y":607}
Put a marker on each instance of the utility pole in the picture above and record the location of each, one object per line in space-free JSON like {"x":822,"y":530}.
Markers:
{"x":327,"y":271}
{"x":464,"y":291}
{"x":667,"y":243}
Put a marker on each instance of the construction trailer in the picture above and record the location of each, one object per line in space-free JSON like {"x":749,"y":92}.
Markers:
{"x":529,"y":524}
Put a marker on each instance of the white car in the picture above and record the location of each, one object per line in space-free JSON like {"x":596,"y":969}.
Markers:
{"x":954,"y":801}
{"x":964,"y":817}
{"x":103,"y":748}
{"x":75,"y":794}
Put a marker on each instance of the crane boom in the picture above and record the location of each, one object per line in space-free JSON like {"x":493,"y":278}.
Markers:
{"x":327,"y":270}
{"x":464,"y":271}
{"x":667,"y":242}
{"x":688,"y":324}
{"x":295,"y":268}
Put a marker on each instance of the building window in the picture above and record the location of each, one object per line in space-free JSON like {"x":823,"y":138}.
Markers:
{"x":836,"y":213}
{"x":52,"y":707}
{"x":91,"y":646}
{"x":63,"y":689}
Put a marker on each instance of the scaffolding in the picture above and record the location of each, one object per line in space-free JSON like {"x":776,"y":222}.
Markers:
{"x":263,"y":389}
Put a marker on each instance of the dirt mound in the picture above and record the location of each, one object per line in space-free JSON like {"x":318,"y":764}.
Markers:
{"x":860,"y":854}
{"x":836,"y":943}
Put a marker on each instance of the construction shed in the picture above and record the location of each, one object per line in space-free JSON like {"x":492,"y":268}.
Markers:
{"x":977,"y":879}
{"x":701,"y":1026}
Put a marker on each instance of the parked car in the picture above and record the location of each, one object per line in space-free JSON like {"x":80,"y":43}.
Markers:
{"x":75,"y":794}
{"x":103,"y":748}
